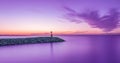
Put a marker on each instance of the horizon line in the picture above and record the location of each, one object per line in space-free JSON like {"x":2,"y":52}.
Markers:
{"x":56,"y":34}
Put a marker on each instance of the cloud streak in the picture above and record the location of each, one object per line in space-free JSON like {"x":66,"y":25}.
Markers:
{"x":106,"y":22}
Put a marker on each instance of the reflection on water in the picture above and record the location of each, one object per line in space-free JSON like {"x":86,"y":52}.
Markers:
{"x":76,"y":49}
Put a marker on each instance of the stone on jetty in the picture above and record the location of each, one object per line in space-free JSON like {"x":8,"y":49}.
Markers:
{"x":33,"y":40}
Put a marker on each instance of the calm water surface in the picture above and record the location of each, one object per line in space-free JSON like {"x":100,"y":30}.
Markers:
{"x":76,"y":49}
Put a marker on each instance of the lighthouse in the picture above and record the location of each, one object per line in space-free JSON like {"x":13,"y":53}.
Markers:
{"x":51,"y":34}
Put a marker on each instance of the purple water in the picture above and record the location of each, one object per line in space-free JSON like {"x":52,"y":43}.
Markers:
{"x":76,"y":49}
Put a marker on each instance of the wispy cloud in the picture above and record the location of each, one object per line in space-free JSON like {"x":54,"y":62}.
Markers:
{"x":107,"y":22}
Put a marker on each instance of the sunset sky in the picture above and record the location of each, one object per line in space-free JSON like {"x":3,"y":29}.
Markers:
{"x":42,"y":16}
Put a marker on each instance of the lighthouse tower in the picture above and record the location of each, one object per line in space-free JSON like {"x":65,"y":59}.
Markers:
{"x":51,"y":34}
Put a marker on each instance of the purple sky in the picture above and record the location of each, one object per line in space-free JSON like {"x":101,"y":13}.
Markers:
{"x":35,"y":16}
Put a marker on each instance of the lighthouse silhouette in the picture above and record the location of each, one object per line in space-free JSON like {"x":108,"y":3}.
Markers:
{"x":51,"y":33}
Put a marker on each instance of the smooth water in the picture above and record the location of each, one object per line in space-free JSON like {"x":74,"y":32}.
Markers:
{"x":76,"y":49}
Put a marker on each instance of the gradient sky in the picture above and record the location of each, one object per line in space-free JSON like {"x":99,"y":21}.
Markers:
{"x":42,"y":16}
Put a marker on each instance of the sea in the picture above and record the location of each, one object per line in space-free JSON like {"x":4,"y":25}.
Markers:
{"x":75,"y":49}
